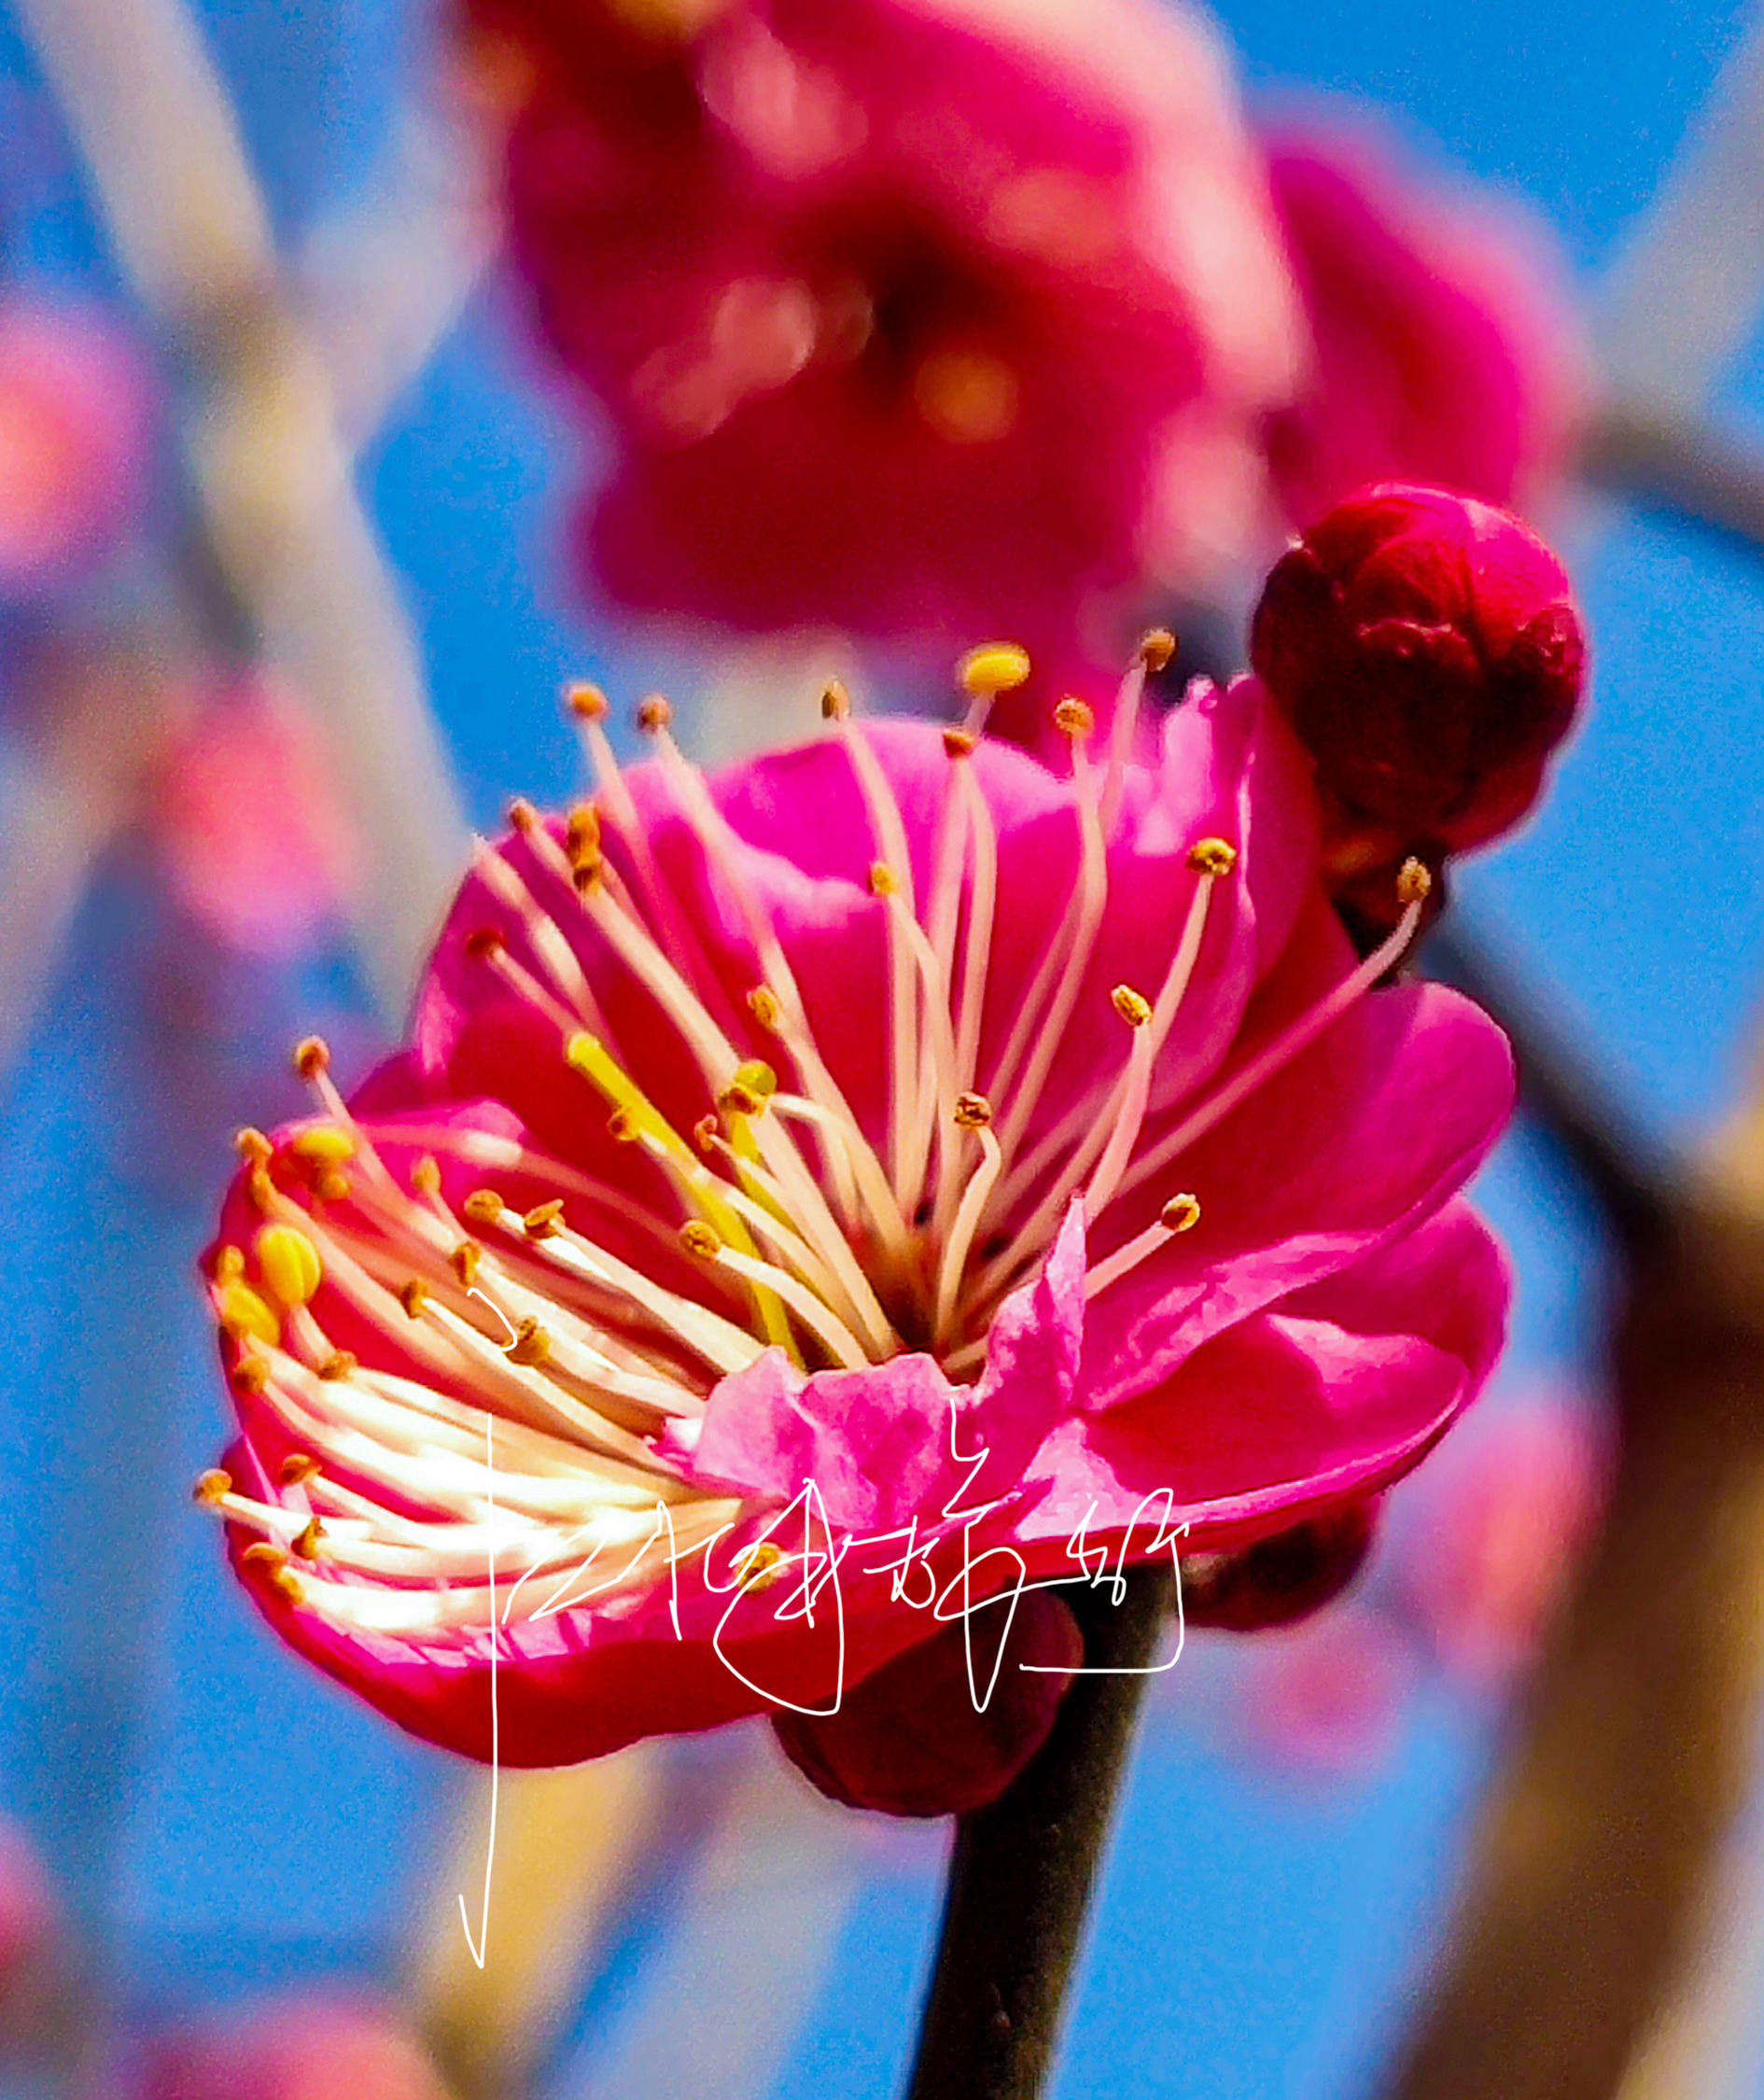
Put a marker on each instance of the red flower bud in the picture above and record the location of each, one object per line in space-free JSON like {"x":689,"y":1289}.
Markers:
{"x":1428,"y":650}
{"x":909,"y":1741}
{"x":1282,"y":1579}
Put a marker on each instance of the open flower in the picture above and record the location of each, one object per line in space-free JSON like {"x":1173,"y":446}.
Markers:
{"x":818,"y":1198}
{"x":897,"y":311}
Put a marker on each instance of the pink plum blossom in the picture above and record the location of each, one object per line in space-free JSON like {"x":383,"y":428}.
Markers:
{"x":1444,"y":347}
{"x":250,"y":822}
{"x":304,"y":2046}
{"x":74,"y":426}
{"x":912,"y":317}
{"x":1497,"y":1532}
{"x":33,"y":1945}
{"x":818,"y":1198}
{"x":1329,"y":1700}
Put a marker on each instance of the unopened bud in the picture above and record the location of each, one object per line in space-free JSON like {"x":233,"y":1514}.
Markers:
{"x":1427,"y":648}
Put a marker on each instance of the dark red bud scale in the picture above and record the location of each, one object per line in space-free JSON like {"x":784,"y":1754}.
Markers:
{"x":908,"y":1739}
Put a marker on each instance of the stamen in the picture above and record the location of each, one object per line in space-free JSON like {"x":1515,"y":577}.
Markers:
{"x":1079,"y":1136}
{"x":983,"y":673}
{"x":545,"y":936}
{"x":973,"y":1112}
{"x":977,"y":942}
{"x":1154,"y":652}
{"x":1136,"y":1011}
{"x":1083,"y":916}
{"x":288,"y":1263}
{"x":818,"y":1318}
{"x":1182,"y":1214}
{"x":1413,"y":885}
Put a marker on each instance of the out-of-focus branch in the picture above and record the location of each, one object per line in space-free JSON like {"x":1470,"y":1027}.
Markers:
{"x":269,"y":462}
{"x":1561,"y":1090}
{"x":1592,"y":1865}
{"x":1682,"y":300}
{"x":1659,"y":457}
{"x":383,"y":281}
{"x":1593,"y":1857}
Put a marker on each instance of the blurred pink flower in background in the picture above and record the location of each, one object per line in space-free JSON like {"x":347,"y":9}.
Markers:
{"x":899,"y":310}
{"x":307,"y":2046}
{"x":1328,"y":1700}
{"x":249,"y":820}
{"x":1443,"y":343}
{"x":1496,"y":1533}
{"x":75,"y":422}
{"x":31,"y":1936}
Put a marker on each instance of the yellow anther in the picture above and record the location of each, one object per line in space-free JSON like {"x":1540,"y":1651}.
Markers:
{"x":762,"y":1004}
{"x":228,"y":1265}
{"x":339,"y":1365}
{"x":1180,"y":1213}
{"x":426,"y":1175}
{"x":523,"y":817}
{"x":698,"y":1238}
{"x":288,"y":1263}
{"x":749,"y":1091}
{"x":1413,"y":882}
{"x":1075,"y":716}
{"x":835,"y":702}
{"x":1212,"y":856}
{"x":582,"y":836}
{"x":882,"y":881}
{"x":260,"y":1188}
{"x":704,"y":1134}
{"x":958,"y":743}
{"x":324,"y":1144}
{"x":413,"y":1297}
{"x":585,"y":700}
{"x":297,"y":1468}
{"x":305,"y":1541}
{"x":531,"y":1344}
{"x":212,"y":1486}
{"x":1134,"y":1008}
{"x":333,"y":1187}
{"x":250,"y":1373}
{"x":540,"y":1222}
{"x":243,"y":1313}
{"x":654,"y":712}
{"x":973,"y":1112}
{"x":993,"y":668}
{"x":483,"y":1206}
{"x":758,"y":1077}
{"x":261,"y":1554}
{"x":312,"y":1056}
{"x":288,"y":1584}
{"x":254,"y":1145}
{"x":758,"y":1567}
{"x":463,"y":1261}
{"x":1157,"y":647}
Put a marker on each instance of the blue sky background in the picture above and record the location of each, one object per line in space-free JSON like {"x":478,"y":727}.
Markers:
{"x":1251,"y":1940}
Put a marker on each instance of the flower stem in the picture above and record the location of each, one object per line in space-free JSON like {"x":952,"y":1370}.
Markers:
{"x":1021,"y":1873}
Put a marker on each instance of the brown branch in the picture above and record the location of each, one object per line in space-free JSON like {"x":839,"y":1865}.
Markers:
{"x":1021,"y":1874}
{"x":1591,"y":1858}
